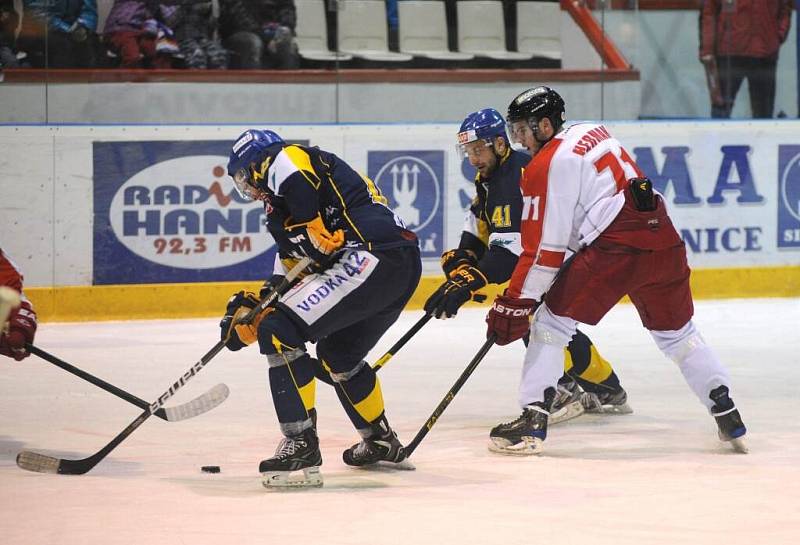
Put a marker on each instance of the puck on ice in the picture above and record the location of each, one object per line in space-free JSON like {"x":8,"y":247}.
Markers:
{"x":210,"y":469}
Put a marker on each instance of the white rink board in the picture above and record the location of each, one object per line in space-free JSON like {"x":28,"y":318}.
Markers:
{"x":47,"y":182}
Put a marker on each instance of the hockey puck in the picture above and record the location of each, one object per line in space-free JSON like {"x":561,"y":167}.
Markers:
{"x":210,"y":469}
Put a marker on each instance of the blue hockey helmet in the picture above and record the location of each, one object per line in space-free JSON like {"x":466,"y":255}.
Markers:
{"x":486,"y":124}
{"x":248,"y":154}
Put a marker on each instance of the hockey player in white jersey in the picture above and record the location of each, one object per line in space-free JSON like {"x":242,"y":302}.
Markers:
{"x":583,"y":192}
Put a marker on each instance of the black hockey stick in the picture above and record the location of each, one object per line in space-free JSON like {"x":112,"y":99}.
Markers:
{"x":33,"y":461}
{"x":478,"y":298}
{"x":190,"y":409}
{"x":412,"y":446}
{"x":402,"y":342}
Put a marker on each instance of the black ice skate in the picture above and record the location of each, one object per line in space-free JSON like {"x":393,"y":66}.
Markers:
{"x":606,"y":402}
{"x":295,"y":453}
{"x":567,"y":404}
{"x":729,"y":422}
{"x":524,"y":436}
{"x":382,"y":448}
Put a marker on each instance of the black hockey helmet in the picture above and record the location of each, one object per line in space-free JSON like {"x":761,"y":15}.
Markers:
{"x":536,"y":104}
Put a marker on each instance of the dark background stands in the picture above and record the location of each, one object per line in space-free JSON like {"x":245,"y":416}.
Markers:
{"x":9,"y":20}
{"x":259,"y":33}
{"x":59,"y":33}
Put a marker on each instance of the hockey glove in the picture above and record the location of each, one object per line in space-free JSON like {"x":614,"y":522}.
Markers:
{"x":509,"y":318}
{"x":236,"y":335}
{"x":451,"y":296}
{"x":21,"y":330}
{"x":453,"y":259}
{"x":270,"y":285}
{"x":313,"y":239}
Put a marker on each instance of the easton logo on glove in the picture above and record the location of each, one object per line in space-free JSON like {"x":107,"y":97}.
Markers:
{"x":508,"y":311}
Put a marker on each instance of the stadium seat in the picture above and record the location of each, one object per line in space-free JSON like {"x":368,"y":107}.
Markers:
{"x":481,"y":30}
{"x":538,"y":28}
{"x":363,"y":32}
{"x":423,"y":30}
{"x":312,"y":32}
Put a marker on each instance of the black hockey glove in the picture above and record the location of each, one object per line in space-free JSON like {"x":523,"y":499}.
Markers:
{"x":451,"y":296}
{"x":270,"y":284}
{"x":459,"y":257}
{"x":237,"y":336}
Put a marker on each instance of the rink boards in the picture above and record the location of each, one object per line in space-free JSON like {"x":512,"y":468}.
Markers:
{"x":112,"y":222}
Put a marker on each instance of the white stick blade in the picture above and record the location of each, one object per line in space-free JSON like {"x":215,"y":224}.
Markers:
{"x":199,"y":405}
{"x":33,"y":461}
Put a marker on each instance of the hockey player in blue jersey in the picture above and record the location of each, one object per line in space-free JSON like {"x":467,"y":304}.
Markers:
{"x":367,"y":267}
{"x":488,"y":251}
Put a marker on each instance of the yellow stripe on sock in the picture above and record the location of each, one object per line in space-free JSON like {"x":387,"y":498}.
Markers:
{"x":371,"y":407}
{"x":308,"y":394}
{"x":599,"y":369}
{"x":567,"y":360}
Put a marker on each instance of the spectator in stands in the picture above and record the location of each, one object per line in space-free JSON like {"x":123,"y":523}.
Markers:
{"x":59,"y":33}
{"x":740,"y":39}
{"x":9,"y":20}
{"x":131,"y":31}
{"x":260,"y":33}
{"x":195,"y":30}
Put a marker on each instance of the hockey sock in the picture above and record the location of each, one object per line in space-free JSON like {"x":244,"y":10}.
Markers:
{"x":359,"y":391}
{"x":584,"y":363}
{"x":293,"y":392}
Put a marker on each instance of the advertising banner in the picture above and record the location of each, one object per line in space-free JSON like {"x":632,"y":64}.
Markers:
{"x":165,"y":212}
{"x":414,"y":184}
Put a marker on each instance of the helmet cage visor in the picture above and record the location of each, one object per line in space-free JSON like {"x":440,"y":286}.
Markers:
{"x":241,"y":181}
{"x":518,"y":129}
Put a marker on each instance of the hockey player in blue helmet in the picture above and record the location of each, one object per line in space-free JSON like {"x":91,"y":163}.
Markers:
{"x":488,"y":251}
{"x":367,"y":266}
{"x":245,"y":158}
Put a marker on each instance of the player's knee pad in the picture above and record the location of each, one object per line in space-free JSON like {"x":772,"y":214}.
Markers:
{"x":678,"y":344}
{"x":551,"y":329}
{"x":279,"y":339}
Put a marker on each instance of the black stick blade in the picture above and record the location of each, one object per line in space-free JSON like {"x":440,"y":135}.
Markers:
{"x":33,"y":461}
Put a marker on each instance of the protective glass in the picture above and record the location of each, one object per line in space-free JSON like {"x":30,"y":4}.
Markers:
{"x":519,"y":130}
{"x":469,"y":145}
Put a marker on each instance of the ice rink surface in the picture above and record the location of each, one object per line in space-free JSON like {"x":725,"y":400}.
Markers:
{"x":658,"y":476}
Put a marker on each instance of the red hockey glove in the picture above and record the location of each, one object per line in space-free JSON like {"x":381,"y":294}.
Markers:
{"x":509,"y":318}
{"x":21,"y":330}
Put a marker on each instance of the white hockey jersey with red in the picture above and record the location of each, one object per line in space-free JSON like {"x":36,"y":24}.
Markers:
{"x":571,"y":192}
{"x":9,"y":273}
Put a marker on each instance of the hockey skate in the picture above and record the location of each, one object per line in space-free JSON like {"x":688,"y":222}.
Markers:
{"x":385,"y":451}
{"x":295,"y":453}
{"x":731,"y":429}
{"x":524,"y":436}
{"x":567,"y":404}
{"x":606,"y":402}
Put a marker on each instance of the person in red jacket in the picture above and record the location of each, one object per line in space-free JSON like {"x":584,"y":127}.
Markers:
{"x":740,"y":39}
{"x":19,"y":326}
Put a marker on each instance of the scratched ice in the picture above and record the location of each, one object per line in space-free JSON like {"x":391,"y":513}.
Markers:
{"x":658,"y":476}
